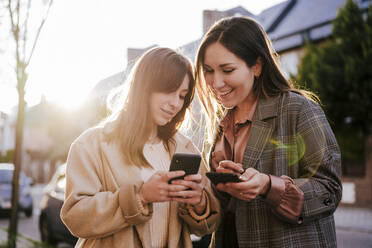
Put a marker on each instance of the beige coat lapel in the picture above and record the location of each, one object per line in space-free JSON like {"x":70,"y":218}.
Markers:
{"x":123,"y":175}
{"x":175,"y":224}
{"x":261,"y":130}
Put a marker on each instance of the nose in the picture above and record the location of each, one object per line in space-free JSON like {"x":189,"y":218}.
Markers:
{"x":175,"y":101}
{"x":218,"y":82}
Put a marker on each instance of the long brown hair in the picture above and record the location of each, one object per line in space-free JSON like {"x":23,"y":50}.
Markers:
{"x":246,"y":39}
{"x":157,"y":70}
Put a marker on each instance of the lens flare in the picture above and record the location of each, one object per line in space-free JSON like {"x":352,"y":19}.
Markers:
{"x":295,"y":148}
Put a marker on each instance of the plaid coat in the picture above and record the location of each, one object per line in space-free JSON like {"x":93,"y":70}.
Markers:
{"x":291,"y":136}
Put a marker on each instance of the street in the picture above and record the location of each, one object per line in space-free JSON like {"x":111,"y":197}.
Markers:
{"x":346,"y":237}
{"x":29,"y":226}
{"x":350,"y":238}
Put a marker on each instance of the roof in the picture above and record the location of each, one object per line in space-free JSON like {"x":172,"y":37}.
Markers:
{"x":103,"y":87}
{"x":269,"y":15}
{"x":239,"y":10}
{"x":300,"y":20}
{"x":190,"y":49}
{"x":306,"y":14}
{"x":38,"y":114}
{"x":289,"y":24}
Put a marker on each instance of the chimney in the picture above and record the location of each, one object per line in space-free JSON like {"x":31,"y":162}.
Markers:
{"x":210,"y":17}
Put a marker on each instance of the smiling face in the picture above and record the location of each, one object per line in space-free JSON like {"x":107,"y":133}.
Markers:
{"x":165,"y":105}
{"x":228,"y":76}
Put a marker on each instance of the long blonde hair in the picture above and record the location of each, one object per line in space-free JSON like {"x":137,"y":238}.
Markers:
{"x":157,"y":70}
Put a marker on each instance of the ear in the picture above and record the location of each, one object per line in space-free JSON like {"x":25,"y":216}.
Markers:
{"x":257,"y":67}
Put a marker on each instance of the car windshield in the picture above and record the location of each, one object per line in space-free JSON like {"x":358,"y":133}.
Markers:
{"x":6,"y":176}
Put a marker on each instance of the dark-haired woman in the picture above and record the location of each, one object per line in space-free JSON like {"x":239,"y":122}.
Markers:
{"x":274,"y":136}
{"x":117,"y":191}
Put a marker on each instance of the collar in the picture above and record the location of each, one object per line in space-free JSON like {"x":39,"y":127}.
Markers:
{"x":267,"y":108}
{"x":228,"y":120}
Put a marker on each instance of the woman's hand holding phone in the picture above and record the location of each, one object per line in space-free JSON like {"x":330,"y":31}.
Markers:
{"x":228,"y":166}
{"x":193,"y":195}
{"x":181,"y":183}
{"x":253,"y":182}
{"x":157,"y":188}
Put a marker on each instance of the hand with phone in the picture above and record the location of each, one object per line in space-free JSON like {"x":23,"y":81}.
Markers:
{"x":253,"y":183}
{"x":192,"y":181}
{"x":227,"y":171}
{"x":157,"y":188}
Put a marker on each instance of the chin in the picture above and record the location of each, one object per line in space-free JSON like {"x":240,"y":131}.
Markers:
{"x":162,"y":122}
{"x":228,"y":105}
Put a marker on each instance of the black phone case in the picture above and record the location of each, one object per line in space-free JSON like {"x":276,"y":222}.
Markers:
{"x":189,"y":163}
{"x":219,"y":177}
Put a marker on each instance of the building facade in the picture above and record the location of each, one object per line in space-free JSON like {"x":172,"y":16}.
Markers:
{"x":290,"y":25}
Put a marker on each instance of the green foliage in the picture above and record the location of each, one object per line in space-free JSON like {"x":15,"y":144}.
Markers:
{"x":8,"y":157}
{"x":340,"y":72}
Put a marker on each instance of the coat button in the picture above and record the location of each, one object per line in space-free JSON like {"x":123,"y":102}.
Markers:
{"x":327,"y":201}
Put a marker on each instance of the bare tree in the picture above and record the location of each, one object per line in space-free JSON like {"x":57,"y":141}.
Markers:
{"x":25,"y":39}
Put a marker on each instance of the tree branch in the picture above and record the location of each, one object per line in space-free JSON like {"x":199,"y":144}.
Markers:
{"x":38,"y":32}
{"x":13,"y":28}
{"x":25,"y":25}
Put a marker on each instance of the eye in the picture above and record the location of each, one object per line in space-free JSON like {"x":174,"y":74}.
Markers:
{"x":206,"y":70}
{"x":228,"y":70}
{"x":183,"y":94}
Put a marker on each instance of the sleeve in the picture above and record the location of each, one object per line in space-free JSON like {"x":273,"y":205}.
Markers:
{"x":285,"y":198}
{"x":88,"y":210}
{"x":209,"y":221}
{"x":319,"y":163}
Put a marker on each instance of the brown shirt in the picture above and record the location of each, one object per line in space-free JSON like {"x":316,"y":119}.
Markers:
{"x":285,"y":198}
{"x":235,"y":136}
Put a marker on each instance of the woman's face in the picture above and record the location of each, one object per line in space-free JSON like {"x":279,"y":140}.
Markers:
{"x":228,"y":76}
{"x":164,"y":106}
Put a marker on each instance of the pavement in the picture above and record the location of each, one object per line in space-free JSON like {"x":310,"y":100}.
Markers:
{"x":350,"y":219}
{"x":355,"y":219}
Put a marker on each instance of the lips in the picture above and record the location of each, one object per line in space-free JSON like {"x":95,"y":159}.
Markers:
{"x":167,"y":112}
{"x":225,"y":94}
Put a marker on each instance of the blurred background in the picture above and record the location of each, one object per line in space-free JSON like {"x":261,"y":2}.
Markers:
{"x":84,"y":49}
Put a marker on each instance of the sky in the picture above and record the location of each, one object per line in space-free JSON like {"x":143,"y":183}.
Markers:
{"x":85,"y":41}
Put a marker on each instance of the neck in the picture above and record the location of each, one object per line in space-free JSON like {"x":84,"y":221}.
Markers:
{"x":153,"y":137}
{"x":245,"y":107}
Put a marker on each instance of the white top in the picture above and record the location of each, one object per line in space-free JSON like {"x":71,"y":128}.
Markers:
{"x":159,"y":159}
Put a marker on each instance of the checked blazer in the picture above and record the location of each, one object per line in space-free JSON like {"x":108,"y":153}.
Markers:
{"x":291,"y":136}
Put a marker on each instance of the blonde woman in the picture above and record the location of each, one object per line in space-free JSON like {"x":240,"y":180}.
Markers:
{"x":117,"y":192}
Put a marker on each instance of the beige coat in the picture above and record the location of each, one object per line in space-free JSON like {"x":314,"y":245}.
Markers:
{"x":101,"y":203}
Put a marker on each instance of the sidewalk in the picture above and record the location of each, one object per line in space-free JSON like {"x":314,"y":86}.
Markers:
{"x":346,"y":218}
{"x":356,"y":219}
{"x":23,"y":241}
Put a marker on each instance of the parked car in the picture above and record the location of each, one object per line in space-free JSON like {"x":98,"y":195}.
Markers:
{"x":25,"y":198}
{"x":51,"y":227}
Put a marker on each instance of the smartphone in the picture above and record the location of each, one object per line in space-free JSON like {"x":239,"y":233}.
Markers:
{"x":220,"y":177}
{"x":189,"y":163}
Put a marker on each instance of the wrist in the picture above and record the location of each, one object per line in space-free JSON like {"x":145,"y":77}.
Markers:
{"x":267,"y":183}
{"x":200,"y":206}
{"x":142,"y":198}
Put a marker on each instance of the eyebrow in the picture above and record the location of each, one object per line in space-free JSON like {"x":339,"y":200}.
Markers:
{"x":221,"y":65}
{"x":226,"y":64}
